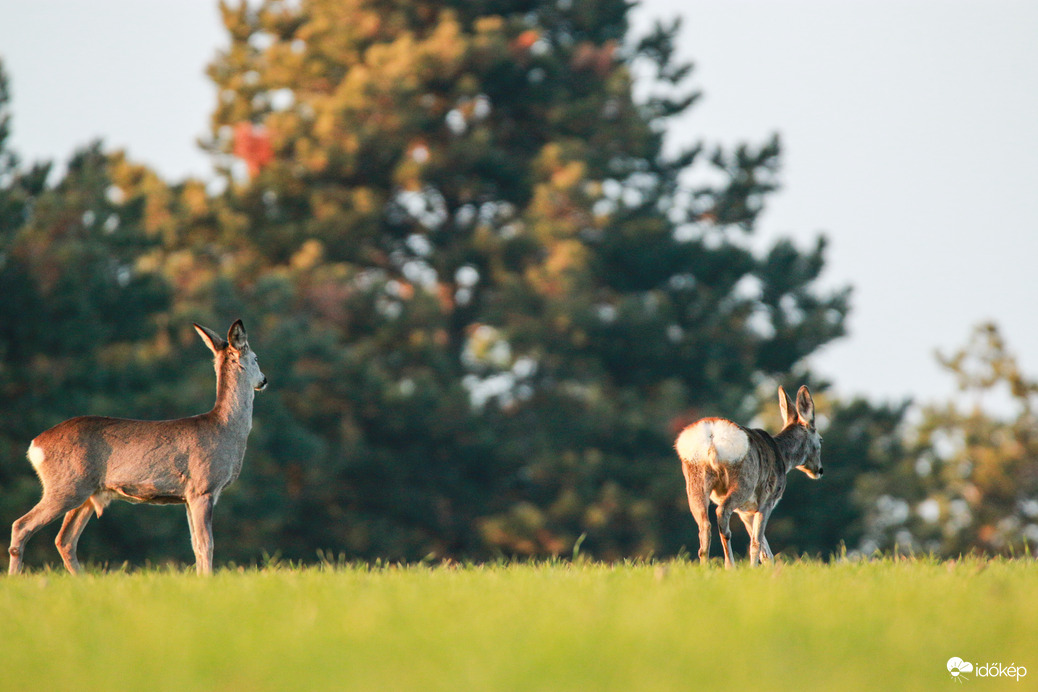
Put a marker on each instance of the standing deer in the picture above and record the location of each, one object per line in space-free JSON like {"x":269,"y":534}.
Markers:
{"x":744,"y":471}
{"x":85,"y":463}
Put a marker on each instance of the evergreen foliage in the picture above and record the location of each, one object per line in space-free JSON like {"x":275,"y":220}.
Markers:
{"x":517,"y":291}
{"x":486,"y":295}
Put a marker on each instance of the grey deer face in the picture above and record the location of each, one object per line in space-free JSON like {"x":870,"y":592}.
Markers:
{"x":802,"y":415}
{"x":812,"y":465}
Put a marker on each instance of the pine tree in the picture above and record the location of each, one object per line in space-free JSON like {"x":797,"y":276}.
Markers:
{"x":493,"y":294}
{"x":77,"y":319}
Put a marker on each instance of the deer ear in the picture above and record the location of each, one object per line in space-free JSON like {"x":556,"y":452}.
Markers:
{"x":211,"y":339}
{"x":236,"y":336}
{"x":789,"y":414}
{"x":805,"y":407}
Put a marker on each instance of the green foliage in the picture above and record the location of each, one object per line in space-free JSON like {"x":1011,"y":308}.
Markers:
{"x":486,"y":296}
{"x":968,"y":479}
{"x":642,"y":625}
{"x":514,"y":293}
{"x":78,"y":308}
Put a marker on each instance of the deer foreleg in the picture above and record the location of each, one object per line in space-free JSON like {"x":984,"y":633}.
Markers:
{"x":200,"y":521}
{"x":759,"y":524}
{"x":749,"y":520}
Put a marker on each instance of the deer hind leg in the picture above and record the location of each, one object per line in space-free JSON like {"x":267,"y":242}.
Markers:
{"x":49,"y":508}
{"x":200,"y":521}
{"x":68,"y":537}
{"x":698,"y":501}
{"x":724,"y":516}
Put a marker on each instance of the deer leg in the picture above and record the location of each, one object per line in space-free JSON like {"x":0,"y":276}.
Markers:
{"x":48,"y":509}
{"x":68,"y":537}
{"x":724,"y":516}
{"x":703,"y":522}
{"x":765,"y":550}
{"x":200,"y":521}
{"x":190,"y":525}
{"x":759,"y":524}
{"x":749,"y":520}
{"x":698,"y":501}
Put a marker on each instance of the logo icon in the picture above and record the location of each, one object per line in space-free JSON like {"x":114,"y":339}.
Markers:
{"x":957,"y":667}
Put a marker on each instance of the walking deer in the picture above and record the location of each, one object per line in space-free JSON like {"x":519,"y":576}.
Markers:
{"x":85,"y":463}
{"x":744,"y":471}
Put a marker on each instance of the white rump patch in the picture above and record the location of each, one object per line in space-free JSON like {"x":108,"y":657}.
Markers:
{"x":730,"y":442}
{"x":36,"y":456}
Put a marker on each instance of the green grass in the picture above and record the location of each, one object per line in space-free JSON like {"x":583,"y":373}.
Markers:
{"x":886,"y":624}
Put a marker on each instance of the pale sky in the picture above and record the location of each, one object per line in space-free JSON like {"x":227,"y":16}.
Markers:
{"x":910,"y":132}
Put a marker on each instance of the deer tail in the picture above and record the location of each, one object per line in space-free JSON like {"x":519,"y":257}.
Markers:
{"x":711,"y":457}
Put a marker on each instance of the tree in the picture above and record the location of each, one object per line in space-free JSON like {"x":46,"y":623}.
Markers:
{"x":969,"y":478}
{"x":490,"y":293}
{"x":77,"y":323}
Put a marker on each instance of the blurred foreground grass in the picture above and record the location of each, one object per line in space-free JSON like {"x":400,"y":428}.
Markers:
{"x":885,"y":624}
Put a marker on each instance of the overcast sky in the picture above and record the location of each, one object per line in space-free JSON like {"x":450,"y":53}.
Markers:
{"x":910,"y":132}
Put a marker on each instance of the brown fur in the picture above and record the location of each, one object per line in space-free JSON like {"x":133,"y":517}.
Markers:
{"x":85,"y":463}
{"x":752,"y":486}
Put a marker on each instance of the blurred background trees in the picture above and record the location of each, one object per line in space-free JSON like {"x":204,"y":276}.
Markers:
{"x":516,"y":290}
{"x":485,"y":292}
{"x":967,"y":478}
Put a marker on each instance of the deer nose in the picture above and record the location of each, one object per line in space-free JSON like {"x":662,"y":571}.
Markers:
{"x":820,"y":472}
{"x":262,"y":385}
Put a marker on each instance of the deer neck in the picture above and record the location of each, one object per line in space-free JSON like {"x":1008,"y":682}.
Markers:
{"x":234,"y":397}
{"x":792,"y":444}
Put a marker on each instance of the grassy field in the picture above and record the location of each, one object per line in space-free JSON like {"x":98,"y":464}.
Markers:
{"x":886,"y":624}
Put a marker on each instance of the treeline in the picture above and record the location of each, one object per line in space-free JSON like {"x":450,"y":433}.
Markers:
{"x":486,"y":295}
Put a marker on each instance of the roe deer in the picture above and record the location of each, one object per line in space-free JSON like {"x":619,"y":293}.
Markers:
{"x":85,"y":463}
{"x":744,"y":471}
